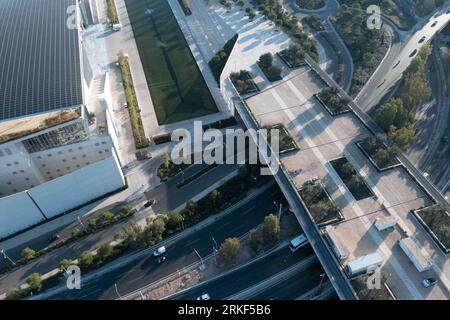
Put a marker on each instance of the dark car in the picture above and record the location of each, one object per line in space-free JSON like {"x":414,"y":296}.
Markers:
{"x":422,"y":39}
{"x":413,"y":53}
{"x":149,"y":203}
{"x":53,"y":238}
{"x":434,"y":24}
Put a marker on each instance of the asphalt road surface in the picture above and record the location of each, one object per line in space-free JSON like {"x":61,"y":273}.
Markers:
{"x":398,"y":59}
{"x":180,"y":253}
{"x":294,"y":286}
{"x":249,"y":275}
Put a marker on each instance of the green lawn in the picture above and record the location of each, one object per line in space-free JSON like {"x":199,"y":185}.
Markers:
{"x":176,"y":85}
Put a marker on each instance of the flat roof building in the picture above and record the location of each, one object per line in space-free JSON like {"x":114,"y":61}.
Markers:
{"x":40,"y":69}
{"x":58,"y":139}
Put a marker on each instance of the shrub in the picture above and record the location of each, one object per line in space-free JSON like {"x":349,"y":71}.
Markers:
{"x":28,"y":253}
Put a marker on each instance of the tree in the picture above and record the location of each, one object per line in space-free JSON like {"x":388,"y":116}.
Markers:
{"x":13,"y":294}
{"x":28,"y":253}
{"x":129,"y":235}
{"x":86,"y":259}
{"x":153,"y":231}
{"x":108,"y":216}
{"x":254,"y":241}
{"x":229,"y":251}
{"x":266,"y":60}
{"x":92,"y":224}
{"x":174,"y":221}
{"x":104,"y":251}
{"x":271,"y":230}
{"x":274,"y":73}
{"x":34,"y":281}
{"x":65,"y":263}
{"x":403,"y":136}
{"x":215,"y":198}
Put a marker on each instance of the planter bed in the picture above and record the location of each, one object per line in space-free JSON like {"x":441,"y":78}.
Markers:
{"x":291,"y":66}
{"x":265,"y":71}
{"x":329,"y":110}
{"x":250,"y":85}
{"x":359,"y":189}
{"x":369,"y":152}
{"x":287,"y":143}
{"x":426,"y":216}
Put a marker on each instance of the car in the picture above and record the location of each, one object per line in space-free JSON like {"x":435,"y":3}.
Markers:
{"x":161,"y":260}
{"x":429,"y":282}
{"x":434,"y":24}
{"x":413,"y":53}
{"x":53,"y":238}
{"x":149,"y":203}
{"x":204,"y":296}
{"x":422,"y":39}
{"x":117,"y":27}
{"x":159,"y":251}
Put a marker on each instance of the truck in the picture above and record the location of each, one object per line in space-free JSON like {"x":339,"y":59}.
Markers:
{"x":336,"y":244}
{"x":385,"y":223}
{"x":364,"y":264}
{"x":412,"y":251}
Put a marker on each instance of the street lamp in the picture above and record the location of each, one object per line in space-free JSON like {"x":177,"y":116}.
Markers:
{"x":81,"y":222}
{"x":202,"y":267}
{"x":7,"y":258}
{"x":182,"y":222}
{"x":215,"y":244}
{"x":182,"y":175}
{"x":279,"y":207}
{"x":117,"y":290}
{"x":322,"y":276}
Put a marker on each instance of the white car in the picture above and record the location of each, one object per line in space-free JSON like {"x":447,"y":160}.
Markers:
{"x":429,"y":282}
{"x":159,"y":251}
{"x":204,"y":296}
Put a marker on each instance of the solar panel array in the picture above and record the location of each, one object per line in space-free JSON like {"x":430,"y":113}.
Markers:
{"x":39,"y":58}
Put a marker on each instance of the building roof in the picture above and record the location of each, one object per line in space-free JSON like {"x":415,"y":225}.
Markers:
{"x":39,"y":58}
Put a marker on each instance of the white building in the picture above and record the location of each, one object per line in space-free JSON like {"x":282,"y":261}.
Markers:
{"x":57,"y":150}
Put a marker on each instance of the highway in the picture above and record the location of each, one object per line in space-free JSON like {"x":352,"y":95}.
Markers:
{"x":398,"y":59}
{"x":180,"y":253}
{"x":295,"y":286}
{"x":429,"y":151}
{"x":224,"y":286}
{"x":167,"y":195}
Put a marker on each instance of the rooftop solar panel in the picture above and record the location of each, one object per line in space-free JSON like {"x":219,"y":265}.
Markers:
{"x":39,"y":58}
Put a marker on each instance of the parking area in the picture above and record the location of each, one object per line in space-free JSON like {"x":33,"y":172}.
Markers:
{"x":323,"y":138}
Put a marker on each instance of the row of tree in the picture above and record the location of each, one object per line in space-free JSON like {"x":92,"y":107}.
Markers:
{"x":397,"y":116}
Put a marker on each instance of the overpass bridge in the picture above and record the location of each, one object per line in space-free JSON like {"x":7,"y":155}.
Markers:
{"x":326,"y":257}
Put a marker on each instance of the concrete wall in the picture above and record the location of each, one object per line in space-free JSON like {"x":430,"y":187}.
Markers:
{"x":17,"y":212}
{"x":79,"y":187}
